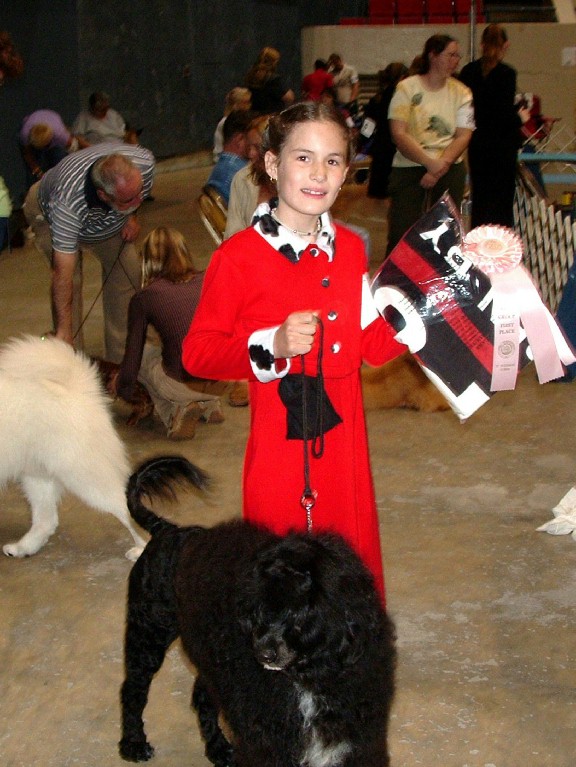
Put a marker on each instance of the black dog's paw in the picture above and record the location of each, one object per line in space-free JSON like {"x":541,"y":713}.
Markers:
{"x":135,"y":750}
{"x":228,"y":762}
{"x":223,"y":758}
{"x":219,"y":751}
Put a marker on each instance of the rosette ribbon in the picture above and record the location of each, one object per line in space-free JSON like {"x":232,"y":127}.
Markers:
{"x":517,"y":309}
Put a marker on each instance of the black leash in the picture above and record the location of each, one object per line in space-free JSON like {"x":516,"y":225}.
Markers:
{"x":104,"y":281}
{"x":308,"y":499}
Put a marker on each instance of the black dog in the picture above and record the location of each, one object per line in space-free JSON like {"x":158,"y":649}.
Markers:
{"x":288,"y":637}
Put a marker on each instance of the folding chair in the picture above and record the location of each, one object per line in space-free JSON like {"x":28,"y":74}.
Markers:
{"x":213,"y":212}
{"x":537,"y":130}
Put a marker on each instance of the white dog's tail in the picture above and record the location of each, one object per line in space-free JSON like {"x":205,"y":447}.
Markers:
{"x":158,"y":478}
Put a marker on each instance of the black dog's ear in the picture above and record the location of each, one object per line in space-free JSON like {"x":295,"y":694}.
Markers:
{"x":291,"y":566}
{"x":353,"y":642}
{"x":288,"y":579}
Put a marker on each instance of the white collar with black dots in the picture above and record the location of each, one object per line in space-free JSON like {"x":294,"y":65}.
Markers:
{"x":285,"y":241}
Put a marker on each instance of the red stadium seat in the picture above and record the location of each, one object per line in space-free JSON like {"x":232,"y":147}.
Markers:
{"x":414,"y":9}
{"x":441,"y":11}
{"x":381,"y":8}
{"x":382,"y":19}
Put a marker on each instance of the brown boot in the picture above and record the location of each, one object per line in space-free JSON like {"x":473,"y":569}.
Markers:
{"x":184,"y":422}
{"x":238,"y":396}
{"x":211,"y":411}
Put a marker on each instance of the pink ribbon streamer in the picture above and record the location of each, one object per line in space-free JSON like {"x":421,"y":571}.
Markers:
{"x":506,"y":319}
{"x":497,"y":251}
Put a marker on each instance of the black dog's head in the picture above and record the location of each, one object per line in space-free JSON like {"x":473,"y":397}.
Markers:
{"x":310,"y":606}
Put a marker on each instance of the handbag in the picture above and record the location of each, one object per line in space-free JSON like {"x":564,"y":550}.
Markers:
{"x":319,"y":416}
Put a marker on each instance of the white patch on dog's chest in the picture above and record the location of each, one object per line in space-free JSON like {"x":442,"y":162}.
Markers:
{"x":316,"y":752}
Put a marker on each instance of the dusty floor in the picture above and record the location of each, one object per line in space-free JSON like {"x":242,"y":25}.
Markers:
{"x":485,"y":607}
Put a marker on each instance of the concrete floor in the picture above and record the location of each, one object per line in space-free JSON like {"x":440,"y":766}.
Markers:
{"x":484,"y":605}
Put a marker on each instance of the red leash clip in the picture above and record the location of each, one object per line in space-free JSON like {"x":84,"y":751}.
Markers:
{"x":307,"y":502}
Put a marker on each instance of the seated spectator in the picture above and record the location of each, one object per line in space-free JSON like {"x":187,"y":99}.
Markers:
{"x":167,"y":301}
{"x":251,"y":185}
{"x":238,"y":99}
{"x":234,"y":155}
{"x":317,"y":81}
{"x":99,"y":122}
{"x":44,"y":141}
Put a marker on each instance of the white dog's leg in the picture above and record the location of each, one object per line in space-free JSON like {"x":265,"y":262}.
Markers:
{"x":133,"y":553}
{"x":112,"y":501}
{"x":43,"y":495}
{"x":120,"y":511}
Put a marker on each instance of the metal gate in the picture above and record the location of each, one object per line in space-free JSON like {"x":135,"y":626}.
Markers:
{"x":548,"y":236}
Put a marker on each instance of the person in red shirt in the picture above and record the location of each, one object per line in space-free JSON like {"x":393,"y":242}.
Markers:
{"x":286,"y":304}
{"x":314,"y":84}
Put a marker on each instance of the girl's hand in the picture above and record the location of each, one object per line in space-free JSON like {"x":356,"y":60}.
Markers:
{"x":428,"y":181}
{"x":296,"y":334}
{"x":437,"y":167}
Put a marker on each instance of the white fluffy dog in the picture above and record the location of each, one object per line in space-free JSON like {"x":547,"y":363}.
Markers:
{"x":57,"y":434}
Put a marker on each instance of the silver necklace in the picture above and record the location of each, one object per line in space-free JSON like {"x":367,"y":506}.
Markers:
{"x":297,"y":231}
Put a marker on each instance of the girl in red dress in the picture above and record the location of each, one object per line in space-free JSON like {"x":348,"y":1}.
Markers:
{"x":290,"y":295}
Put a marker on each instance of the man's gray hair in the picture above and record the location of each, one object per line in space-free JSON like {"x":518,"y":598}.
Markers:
{"x":107,"y":170}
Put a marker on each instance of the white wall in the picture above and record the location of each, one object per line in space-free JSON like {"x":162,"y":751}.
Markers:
{"x":535,"y":52}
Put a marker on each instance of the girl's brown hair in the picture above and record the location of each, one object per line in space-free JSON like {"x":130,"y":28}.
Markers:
{"x":436,"y":44}
{"x":281,"y":125}
{"x":165,"y":254}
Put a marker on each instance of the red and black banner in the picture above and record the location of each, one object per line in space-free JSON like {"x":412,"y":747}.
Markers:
{"x":440,"y":305}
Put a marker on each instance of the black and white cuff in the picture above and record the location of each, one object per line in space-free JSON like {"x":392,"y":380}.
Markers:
{"x":261,"y":351}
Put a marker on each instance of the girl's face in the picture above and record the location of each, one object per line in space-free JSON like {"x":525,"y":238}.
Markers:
{"x":309,"y":172}
{"x":446,"y":63}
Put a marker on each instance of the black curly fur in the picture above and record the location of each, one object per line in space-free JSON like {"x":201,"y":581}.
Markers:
{"x":288,"y":637}
{"x":158,"y":477}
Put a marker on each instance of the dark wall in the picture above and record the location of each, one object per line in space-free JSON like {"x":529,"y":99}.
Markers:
{"x":140,"y":54}
{"x":45,"y":34}
{"x":167,"y":64}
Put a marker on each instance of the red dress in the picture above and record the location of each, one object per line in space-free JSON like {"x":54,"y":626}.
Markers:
{"x":250,"y":285}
